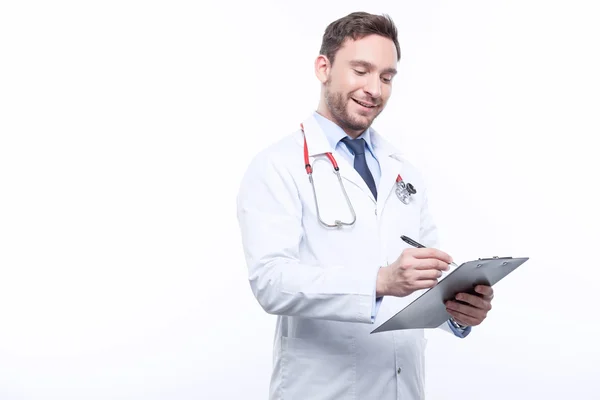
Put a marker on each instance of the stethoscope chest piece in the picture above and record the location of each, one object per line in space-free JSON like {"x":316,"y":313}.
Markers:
{"x":404,"y":190}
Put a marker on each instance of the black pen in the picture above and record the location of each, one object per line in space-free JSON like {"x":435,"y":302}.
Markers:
{"x":418,"y":245}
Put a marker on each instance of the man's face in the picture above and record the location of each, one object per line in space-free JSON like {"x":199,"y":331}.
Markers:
{"x":359,"y":83}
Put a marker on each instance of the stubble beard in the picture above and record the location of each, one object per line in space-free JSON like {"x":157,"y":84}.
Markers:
{"x":338,"y":106}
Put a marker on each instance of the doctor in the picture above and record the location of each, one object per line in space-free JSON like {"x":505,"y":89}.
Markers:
{"x":326,"y":256}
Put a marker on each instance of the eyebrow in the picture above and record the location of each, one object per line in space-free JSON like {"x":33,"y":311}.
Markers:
{"x":368,"y":65}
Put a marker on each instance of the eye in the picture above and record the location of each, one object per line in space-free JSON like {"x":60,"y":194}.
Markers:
{"x":387,"y":80}
{"x":359,"y":72}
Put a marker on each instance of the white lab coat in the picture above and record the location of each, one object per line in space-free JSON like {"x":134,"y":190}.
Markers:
{"x":321,"y":282}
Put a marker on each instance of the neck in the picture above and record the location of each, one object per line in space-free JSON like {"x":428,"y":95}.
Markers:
{"x":324,"y":111}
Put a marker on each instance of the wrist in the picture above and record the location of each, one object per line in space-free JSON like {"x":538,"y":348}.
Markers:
{"x":381,"y":286}
{"x":457,"y":325}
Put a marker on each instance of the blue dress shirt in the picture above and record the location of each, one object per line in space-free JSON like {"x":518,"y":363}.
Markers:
{"x":334,"y":135}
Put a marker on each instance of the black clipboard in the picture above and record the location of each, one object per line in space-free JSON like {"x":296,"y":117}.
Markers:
{"x":429,"y":309}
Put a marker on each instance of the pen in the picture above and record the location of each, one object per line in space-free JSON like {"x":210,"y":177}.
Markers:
{"x":418,"y":245}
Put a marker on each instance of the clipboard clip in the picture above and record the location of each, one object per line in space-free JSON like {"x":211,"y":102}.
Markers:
{"x":495,"y":258}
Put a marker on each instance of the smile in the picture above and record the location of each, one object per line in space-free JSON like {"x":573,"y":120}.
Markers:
{"x":367,"y":105}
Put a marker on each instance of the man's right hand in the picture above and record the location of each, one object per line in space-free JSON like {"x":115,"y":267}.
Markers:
{"x":415,"y":269}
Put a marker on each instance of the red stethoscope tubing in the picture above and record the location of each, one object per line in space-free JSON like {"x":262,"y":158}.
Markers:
{"x":329,"y":155}
{"x":307,"y":162}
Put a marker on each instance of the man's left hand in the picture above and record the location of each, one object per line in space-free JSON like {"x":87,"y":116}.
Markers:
{"x":476,"y":308}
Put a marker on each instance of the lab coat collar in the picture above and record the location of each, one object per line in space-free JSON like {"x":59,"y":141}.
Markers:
{"x":389,"y":158}
{"x":318,"y":144}
{"x":335,"y":133}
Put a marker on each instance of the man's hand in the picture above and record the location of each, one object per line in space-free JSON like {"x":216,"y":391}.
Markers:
{"x":475,"y":311}
{"x":415,"y":269}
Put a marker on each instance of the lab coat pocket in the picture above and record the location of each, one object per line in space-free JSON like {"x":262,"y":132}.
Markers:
{"x":318,"y":370}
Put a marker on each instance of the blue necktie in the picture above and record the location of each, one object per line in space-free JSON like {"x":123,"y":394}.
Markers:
{"x":357,"y":146}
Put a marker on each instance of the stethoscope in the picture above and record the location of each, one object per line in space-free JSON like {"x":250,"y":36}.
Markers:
{"x":404,"y":191}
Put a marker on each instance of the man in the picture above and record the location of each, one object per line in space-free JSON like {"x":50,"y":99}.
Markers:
{"x":328,"y":282}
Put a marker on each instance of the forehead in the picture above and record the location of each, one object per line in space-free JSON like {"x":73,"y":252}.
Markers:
{"x":377,"y":50}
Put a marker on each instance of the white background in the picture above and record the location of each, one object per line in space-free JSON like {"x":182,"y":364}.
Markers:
{"x":125,"y":129}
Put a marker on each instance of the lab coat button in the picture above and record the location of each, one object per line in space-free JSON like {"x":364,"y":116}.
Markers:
{"x":399,"y":370}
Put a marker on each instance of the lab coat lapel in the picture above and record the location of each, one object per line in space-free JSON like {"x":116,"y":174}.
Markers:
{"x":350,"y":174}
{"x":318,"y":145}
{"x":390,"y":166}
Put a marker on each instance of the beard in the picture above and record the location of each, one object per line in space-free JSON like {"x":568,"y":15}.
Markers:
{"x":338,"y":106}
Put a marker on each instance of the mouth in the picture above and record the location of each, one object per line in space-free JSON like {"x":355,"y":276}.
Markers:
{"x":364,"y":104}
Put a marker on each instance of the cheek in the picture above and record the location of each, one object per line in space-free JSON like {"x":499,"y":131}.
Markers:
{"x":352,"y":82}
{"x":386,"y":92}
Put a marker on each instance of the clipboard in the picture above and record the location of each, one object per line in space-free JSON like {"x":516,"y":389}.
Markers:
{"x":429,"y":309}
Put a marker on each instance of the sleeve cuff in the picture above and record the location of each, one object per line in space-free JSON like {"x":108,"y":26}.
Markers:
{"x":461,"y":333}
{"x":376,"y":300}
{"x":375,"y":308}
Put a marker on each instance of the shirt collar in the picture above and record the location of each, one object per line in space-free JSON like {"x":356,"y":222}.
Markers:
{"x":334,"y":133}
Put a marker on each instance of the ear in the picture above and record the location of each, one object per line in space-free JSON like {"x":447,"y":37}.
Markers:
{"x":322,"y":68}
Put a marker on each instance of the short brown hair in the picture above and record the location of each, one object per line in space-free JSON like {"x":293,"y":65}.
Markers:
{"x":357,"y":25}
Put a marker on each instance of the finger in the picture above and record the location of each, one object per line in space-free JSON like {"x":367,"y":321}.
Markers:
{"x":424,"y":284}
{"x":468,"y":310}
{"x":428,"y":274}
{"x":431,"y":263}
{"x":475,"y":301}
{"x":463,"y":319}
{"x":487,"y":291}
{"x":429,"y":252}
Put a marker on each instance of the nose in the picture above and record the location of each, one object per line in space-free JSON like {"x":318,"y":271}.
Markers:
{"x":373,"y":86}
